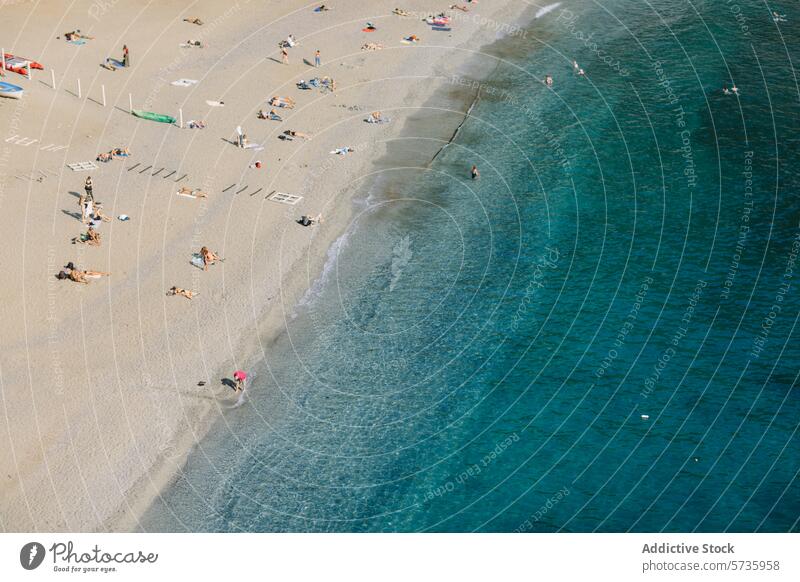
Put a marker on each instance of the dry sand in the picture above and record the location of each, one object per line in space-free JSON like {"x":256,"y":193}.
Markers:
{"x":99,"y":383}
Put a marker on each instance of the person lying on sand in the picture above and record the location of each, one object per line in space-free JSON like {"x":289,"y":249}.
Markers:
{"x":173,"y":291}
{"x":457,"y":7}
{"x":287,"y":102}
{"x":209,"y":257}
{"x":196,"y":124}
{"x":321,"y":8}
{"x":79,"y":276}
{"x":76,"y":35}
{"x":309,"y":221}
{"x":114,"y":153}
{"x":412,"y":38}
{"x":272,"y":115}
{"x":194,"y":43}
{"x":342,"y":151}
{"x":196,"y":21}
{"x":194,"y":192}
{"x":90,"y":237}
{"x":401,"y":12}
{"x":99,"y":214}
{"x":371,"y":46}
{"x":300,"y":134}
{"x":375,"y":117}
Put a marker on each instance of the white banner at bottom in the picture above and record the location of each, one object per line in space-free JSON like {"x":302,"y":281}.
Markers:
{"x":399,"y":557}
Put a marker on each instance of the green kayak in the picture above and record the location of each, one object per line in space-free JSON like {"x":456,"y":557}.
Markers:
{"x":153,"y":116}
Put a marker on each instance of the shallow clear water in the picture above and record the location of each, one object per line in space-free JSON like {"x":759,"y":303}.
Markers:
{"x":480,"y":354}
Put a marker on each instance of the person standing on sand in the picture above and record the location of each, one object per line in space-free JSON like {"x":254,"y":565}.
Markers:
{"x":284,"y":56}
{"x":87,"y":186}
{"x":475,"y":173}
{"x":240,"y":377}
{"x":317,"y":59}
{"x":126,"y":59}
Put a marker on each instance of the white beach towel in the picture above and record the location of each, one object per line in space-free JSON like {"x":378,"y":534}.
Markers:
{"x":183,"y":82}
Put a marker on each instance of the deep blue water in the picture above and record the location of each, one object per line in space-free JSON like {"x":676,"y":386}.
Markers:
{"x":480,"y":355}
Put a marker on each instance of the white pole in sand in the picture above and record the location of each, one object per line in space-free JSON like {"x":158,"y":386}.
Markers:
{"x":130,"y":103}
{"x":180,"y":115}
{"x":79,"y":88}
{"x":103,"y":88}
{"x":28,"y":69}
{"x":53,"y":77}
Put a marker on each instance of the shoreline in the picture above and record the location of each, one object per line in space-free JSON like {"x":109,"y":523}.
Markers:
{"x":115,"y":484}
{"x":435,"y":97}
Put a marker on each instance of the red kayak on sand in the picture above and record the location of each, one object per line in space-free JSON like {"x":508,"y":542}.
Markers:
{"x":17,"y":64}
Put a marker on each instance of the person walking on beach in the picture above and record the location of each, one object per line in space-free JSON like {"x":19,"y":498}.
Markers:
{"x":475,"y":173}
{"x":317,"y":59}
{"x":240,"y":377}
{"x":126,"y":59}
{"x":284,"y":56}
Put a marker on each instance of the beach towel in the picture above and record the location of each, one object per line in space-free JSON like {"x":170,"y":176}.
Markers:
{"x":183,"y":82}
{"x":342,"y":151}
{"x":441,"y":28}
{"x":77,"y":42}
{"x":197,"y":260}
{"x":215,"y":103}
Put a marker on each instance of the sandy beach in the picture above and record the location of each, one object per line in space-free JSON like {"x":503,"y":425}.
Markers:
{"x":106,"y":387}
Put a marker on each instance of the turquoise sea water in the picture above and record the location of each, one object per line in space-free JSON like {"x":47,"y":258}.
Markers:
{"x":480,"y":354}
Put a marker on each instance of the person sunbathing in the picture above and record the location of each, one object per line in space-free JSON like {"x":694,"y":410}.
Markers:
{"x":310,"y":221}
{"x":193,"y":192}
{"x":375,"y":117}
{"x":104,"y":157}
{"x":196,"y":21}
{"x":321,"y":8}
{"x":194,"y":43}
{"x":99,"y":214}
{"x":196,"y":124}
{"x":173,"y":291}
{"x":282,"y":102}
{"x":209,"y":257}
{"x":79,"y":276}
{"x":76,"y":35}
{"x":90,"y":237}
{"x":300,"y":134}
{"x":371,"y":46}
{"x":457,"y":7}
{"x":401,"y":12}
{"x":412,"y":38}
{"x":121,"y":152}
